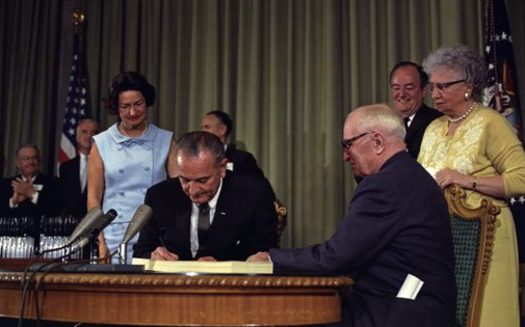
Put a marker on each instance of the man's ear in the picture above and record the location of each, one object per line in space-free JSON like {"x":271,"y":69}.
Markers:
{"x":223,"y":130}
{"x":379,"y":143}
{"x":222,"y":167}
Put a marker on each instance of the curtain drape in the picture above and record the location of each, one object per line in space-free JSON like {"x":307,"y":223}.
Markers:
{"x":287,"y":71}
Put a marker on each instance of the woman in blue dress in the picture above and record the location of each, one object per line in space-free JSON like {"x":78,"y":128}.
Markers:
{"x":127,"y":158}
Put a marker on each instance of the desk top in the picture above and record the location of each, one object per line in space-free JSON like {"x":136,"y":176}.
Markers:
{"x":180,"y":299}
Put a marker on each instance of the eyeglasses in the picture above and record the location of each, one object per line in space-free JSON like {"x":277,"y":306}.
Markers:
{"x":348,"y":142}
{"x":126,"y":107}
{"x":443,"y":86}
{"x":29,"y":158}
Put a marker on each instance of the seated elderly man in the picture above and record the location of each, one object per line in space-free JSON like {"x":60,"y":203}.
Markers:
{"x":396,"y":233}
{"x":30,"y":193}
{"x":207,"y":213}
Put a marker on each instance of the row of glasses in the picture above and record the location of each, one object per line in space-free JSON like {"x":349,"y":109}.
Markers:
{"x":17,"y":226}
{"x":21,"y":237}
{"x":58,"y":226}
{"x":56,"y":242}
{"x":16,"y":246}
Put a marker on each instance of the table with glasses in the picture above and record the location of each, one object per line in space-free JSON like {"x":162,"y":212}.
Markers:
{"x":21,"y":237}
{"x":155,"y":299}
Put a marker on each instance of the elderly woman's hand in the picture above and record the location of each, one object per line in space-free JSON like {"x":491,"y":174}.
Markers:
{"x":448,"y":176}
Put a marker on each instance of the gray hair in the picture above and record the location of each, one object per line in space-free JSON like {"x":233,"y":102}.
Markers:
{"x":382,"y":117}
{"x":194,"y":143}
{"x":27,"y":146}
{"x":86,"y":120}
{"x":463,"y":60}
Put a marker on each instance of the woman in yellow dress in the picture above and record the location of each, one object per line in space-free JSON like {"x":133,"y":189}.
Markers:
{"x":475,"y":147}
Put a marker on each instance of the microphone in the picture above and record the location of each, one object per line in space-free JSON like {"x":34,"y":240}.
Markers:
{"x":140,"y":218}
{"x":96,"y":226}
{"x":84,"y":225}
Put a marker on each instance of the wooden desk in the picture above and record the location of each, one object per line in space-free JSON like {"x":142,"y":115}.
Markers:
{"x":173,"y":299}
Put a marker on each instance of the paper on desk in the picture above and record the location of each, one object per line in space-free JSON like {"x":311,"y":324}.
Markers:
{"x":410,"y":288}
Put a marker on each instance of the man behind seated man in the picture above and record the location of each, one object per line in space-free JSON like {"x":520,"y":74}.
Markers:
{"x":407,"y":84}
{"x":73,"y":173}
{"x":220,"y":124}
{"x":30,"y":193}
{"x":397,"y":224}
{"x":207,"y":213}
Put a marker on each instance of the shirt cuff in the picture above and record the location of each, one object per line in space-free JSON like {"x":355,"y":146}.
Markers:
{"x":34,"y":198}
{"x":12,"y":205}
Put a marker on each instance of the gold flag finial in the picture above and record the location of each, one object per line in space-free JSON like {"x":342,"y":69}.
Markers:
{"x":78,"y":18}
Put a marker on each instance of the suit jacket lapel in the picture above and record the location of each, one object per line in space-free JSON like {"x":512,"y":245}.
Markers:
{"x":222,"y":217}
{"x":183,"y":220}
{"x":416,"y":122}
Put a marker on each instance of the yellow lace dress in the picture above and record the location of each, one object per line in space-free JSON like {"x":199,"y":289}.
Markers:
{"x":485,"y":144}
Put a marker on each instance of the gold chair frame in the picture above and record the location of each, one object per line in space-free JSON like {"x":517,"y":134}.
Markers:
{"x":486,"y":215}
{"x":282,"y":214}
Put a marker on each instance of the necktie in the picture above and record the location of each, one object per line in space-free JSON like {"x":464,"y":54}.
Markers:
{"x":204,"y":224}
{"x":407,"y":121}
{"x":83,"y":172}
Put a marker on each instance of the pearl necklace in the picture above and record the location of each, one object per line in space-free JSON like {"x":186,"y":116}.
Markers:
{"x":460,"y":118}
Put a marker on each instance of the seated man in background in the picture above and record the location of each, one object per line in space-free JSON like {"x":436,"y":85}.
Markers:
{"x":397,"y":225}
{"x":207,"y":213}
{"x":219,"y":123}
{"x":30,"y":193}
{"x":73,"y":173}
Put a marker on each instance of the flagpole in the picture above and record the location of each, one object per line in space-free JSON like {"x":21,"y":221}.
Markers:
{"x":76,"y":103}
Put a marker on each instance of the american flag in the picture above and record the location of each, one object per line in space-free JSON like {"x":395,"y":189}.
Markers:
{"x":76,"y":103}
{"x":501,"y":92}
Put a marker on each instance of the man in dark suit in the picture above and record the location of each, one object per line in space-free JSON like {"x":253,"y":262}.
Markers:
{"x":73,"y":173}
{"x":407,"y":83}
{"x":396,"y":229}
{"x":30,"y":193}
{"x":219,"y":123}
{"x":207,"y":213}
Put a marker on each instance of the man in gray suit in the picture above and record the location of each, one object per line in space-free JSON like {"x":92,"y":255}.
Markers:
{"x":396,"y":230}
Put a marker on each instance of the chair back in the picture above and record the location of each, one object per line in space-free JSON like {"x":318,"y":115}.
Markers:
{"x":282,"y":213}
{"x":472,"y":235}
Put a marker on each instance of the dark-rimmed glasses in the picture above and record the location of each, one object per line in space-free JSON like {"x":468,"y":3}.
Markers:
{"x":443,"y":86}
{"x":347,"y":144}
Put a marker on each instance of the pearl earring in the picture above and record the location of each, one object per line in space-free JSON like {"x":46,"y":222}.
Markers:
{"x":466,"y":96}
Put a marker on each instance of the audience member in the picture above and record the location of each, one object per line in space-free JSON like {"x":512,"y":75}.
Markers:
{"x":127,"y":158}
{"x":408,"y":82}
{"x":207,"y":213}
{"x":476,"y":148}
{"x":30,"y":193}
{"x":73,"y":173}
{"x":220,"y":124}
{"x":395,"y":227}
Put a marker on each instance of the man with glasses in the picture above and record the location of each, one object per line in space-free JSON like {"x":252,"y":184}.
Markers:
{"x":407,"y":85}
{"x":394,"y":241}
{"x":30,"y":193}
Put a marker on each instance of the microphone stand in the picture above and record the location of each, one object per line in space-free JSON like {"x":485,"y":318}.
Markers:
{"x":123,"y":253}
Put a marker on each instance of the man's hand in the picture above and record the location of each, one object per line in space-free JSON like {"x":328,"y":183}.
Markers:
{"x":259,"y":257}
{"x":24,"y":188}
{"x":161,"y":253}
{"x":207,"y":258}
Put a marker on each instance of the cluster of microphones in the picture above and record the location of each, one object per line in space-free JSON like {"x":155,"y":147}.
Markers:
{"x":96,"y":220}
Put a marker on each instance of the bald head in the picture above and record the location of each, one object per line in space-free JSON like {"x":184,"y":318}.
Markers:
{"x":371,"y":135}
